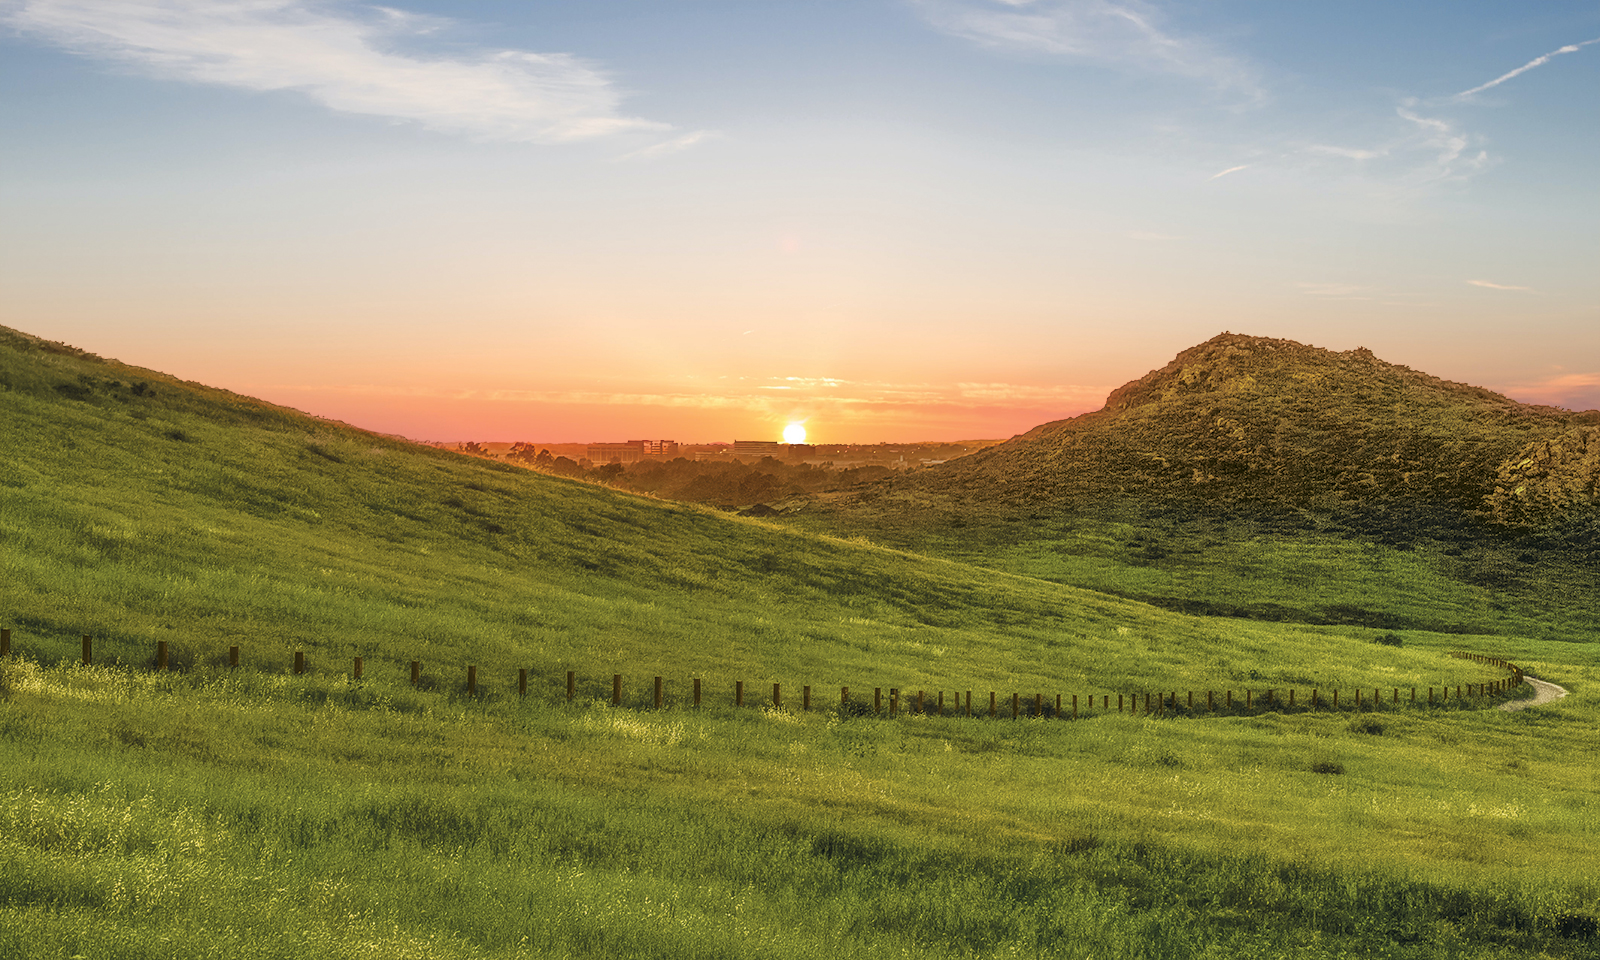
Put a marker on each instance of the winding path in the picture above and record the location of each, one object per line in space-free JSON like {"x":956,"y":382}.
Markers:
{"x":1543,"y":693}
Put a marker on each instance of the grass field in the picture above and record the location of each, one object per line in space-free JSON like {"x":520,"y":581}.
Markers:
{"x":1317,"y":567}
{"x":208,"y":812}
{"x":261,"y":814}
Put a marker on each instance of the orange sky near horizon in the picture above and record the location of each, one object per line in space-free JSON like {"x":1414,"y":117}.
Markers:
{"x":701,"y":222}
{"x":440,"y":416}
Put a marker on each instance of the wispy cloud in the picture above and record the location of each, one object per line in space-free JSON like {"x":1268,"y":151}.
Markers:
{"x":1494,"y":286}
{"x":1415,"y":151}
{"x":1531,"y":64}
{"x":1130,"y":34}
{"x":342,"y":56}
{"x":1224,"y":173}
{"x":669,"y":147}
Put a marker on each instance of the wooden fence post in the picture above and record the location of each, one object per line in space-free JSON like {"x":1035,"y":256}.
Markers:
{"x":1015,"y":698}
{"x":357,"y":670}
{"x":1119,"y":703}
{"x":522,"y":681}
{"x":161,"y":655}
{"x":1058,"y":706}
{"x":969,"y":703}
{"x":805,"y":699}
{"x":1291,"y":697}
{"x":844,"y":696}
{"x":777,"y":697}
{"x":738,"y":693}
{"x":1336,"y":698}
{"x":1038,"y":704}
{"x":233,"y":657}
{"x":299,"y":662}
{"x":1074,"y":706}
{"x":472,"y":681}
{"x":616,"y":689}
{"x":920,"y":708}
{"x":416,"y":672}
{"x":5,"y":642}
{"x":941,"y":703}
{"x":572,"y":684}
{"x":658,"y":693}
{"x":1430,"y":696}
{"x":88,"y":651}
{"x":991,"y":704}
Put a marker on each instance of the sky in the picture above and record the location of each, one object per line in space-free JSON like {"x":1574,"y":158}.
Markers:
{"x":703,"y":221}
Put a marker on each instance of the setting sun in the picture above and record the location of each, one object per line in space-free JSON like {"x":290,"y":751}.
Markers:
{"x":794,"y":433}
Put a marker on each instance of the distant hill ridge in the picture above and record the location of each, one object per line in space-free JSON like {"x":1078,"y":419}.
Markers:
{"x":1242,"y":418}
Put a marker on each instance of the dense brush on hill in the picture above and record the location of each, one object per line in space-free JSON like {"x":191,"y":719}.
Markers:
{"x":1221,"y":481}
{"x":1241,"y":418}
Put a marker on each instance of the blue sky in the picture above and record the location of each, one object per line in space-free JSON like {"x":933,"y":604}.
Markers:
{"x":898,"y":219}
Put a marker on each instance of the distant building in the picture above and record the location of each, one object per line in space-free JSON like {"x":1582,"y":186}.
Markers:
{"x":632,"y":451}
{"x":800,"y":451}
{"x":756,"y":449}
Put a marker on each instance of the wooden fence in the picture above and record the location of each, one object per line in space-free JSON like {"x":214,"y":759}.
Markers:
{"x":1037,"y":704}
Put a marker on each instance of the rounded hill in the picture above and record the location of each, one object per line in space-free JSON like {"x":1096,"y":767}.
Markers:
{"x":1242,"y":418}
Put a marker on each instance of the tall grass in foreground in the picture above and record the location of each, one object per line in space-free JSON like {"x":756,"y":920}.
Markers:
{"x":256,"y":815}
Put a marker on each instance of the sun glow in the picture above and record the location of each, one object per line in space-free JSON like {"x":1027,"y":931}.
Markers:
{"x":794,"y":433}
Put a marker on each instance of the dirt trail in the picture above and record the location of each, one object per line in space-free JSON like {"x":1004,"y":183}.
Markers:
{"x":1543,"y":693}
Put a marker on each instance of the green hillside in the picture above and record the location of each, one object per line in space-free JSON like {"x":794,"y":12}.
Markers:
{"x":1270,"y":480}
{"x":208,"y":812}
{"x":139,"y":509}
{"x":1255,"y":420}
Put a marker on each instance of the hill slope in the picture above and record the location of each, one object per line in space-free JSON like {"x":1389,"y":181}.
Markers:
{"x":1268,"y":479}
{"x":1253,"y":419}
{"x":139,"y":508}
{"x":207,"y":812}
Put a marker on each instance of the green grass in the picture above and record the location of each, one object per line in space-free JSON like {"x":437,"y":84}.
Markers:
{"x":255,"y":813}
{"x":208,"y":813}
{"x":1308,"y":568}
{"x":275,"y":533}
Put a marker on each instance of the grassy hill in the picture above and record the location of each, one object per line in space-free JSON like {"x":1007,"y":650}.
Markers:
{"x":1270,"y":480}
{"x":208,"y":812}
{"x":1253,"y":420}
{"x":141,"y":509}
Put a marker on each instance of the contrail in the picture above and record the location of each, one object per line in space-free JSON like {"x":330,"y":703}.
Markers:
{"x":1536,"y":62}
{"x":1228,"y":171}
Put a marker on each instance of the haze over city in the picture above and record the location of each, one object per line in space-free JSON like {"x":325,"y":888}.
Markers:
{"x":929,"y":220}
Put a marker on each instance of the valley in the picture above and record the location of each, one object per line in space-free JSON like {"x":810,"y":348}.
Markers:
{"x":207,"y":811}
